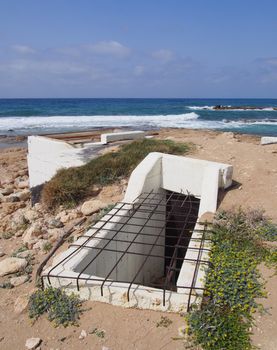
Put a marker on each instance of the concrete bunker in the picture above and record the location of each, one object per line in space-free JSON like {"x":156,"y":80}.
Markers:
{"x":150,"y":249}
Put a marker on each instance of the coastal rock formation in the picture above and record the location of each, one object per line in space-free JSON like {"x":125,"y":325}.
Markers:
{"x":230,"y":108}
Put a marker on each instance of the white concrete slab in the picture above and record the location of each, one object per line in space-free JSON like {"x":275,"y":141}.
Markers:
{"x":267,"y":140}
{"x":118,"y":136}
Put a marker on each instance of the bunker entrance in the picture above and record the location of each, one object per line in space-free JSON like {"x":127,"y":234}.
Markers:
{"x":142,"y":243}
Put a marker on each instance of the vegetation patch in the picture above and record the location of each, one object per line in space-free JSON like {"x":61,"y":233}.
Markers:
{"x":69,"y":186}
{"x":233,"y":281}
{"x":61,"y":309}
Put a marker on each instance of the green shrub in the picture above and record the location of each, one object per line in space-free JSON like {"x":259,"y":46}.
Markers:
{"x":69,"y":186}
{"x":232,"y":281}
{"x":61,"y":308}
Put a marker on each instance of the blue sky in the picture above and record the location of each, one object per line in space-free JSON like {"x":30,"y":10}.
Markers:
{"x":145,"y":48}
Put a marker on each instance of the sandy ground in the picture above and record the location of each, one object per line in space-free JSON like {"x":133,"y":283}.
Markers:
{"x":255,"y":176}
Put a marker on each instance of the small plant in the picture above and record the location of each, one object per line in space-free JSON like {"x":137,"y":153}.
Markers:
{"x":99,"y":333}
{"x":7,"y":235}
{"x":21,"y":249}
{"x":232,"y":281}
{"x":164,"y":322}
{"x":103,"y":212}
{"x":62,"y":309}
{"x":47,"y":247}
{"x":6,"y":285}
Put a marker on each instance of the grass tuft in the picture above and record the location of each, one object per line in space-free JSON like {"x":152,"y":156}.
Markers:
{"x":69,"y":186}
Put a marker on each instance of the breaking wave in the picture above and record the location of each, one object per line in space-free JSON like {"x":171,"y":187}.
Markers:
{"x":82,"y":122}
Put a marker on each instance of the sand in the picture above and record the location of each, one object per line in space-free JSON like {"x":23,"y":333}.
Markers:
{"x":255,"y":176}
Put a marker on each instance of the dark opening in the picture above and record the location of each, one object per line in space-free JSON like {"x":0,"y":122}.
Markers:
{"x":178,"y":232}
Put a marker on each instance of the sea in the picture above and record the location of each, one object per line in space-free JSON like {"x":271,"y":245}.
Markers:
{"x":40,"y":116}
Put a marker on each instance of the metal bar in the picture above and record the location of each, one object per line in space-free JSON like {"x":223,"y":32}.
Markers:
{"x":150,"y":251}
{"x":196,"y":268}
{"x":141,"y":254}
{"x":173,"y":259}
{"x":70,"y":255}
{"x":77,"y":283}
{"x":130,"y":243}
{"x":142,"y":243}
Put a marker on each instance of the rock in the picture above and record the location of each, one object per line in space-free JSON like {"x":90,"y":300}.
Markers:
{"x":207,"y":217}
{"x":23,"y":172}
{"x":23,"y":195}
{"x":12,"y":198}
{"x":18,"y":220}
{"x":21,"y":304}
{"x":12,"y":265}
{"x":17,"y":281}
{"x":25,"y":254}
{"x":40,"y":244}
{"x":83,"y":334}
{"x":92,"y":206}
{"x":31,"y":215}
{"x":54,"y":234}
{"x":1,"y":253}
{"x":32,"y":343}
{"x":23,"y":184}
{"x":31,"y":235}
{"x":55,"y":223}
{"x":6,"y":191}
{"x":19,"y":233}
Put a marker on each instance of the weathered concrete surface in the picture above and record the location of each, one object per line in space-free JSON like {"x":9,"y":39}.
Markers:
{"x":126,"y":135}
{"x":267,"y":140}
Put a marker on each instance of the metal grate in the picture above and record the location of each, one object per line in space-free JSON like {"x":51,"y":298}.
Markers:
{"x":155,"y":221}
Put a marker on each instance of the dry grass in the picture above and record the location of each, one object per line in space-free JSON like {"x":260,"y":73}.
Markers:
{"x":69,"y":186}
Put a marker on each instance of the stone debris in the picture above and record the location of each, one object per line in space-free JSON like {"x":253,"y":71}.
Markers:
{"x":6,"y":191}
{"x":83,"y":334}
{"x":17,"y":281}
{"x":92,"y":206}
{"x":32,"y":343}
{"x":55,"y":223}
{"x":21,"y":304}
{"x":12,"y":265}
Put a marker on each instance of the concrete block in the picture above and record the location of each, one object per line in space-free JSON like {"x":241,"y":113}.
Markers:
{"x":267,"y":140}
{"x":118,"y":136}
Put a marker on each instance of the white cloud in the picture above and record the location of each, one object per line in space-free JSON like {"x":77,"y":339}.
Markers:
{"x":23,"y":49}
{"x":163,"y":55}
{"x":109,"y":48}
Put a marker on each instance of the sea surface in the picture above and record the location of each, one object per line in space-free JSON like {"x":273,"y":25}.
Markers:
{"x":38,"y":116}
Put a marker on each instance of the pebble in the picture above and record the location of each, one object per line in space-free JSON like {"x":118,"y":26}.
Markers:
{"x":17,"y":281}
{"x":32,"y":343}
{"x":83,"y":334}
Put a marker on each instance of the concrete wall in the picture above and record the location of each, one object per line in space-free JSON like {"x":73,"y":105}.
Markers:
{"x":46,"y":156}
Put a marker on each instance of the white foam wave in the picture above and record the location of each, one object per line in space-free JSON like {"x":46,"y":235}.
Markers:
{"x":29,"y":125}
{"x":67,"y":122}
{"x":200,"y":108}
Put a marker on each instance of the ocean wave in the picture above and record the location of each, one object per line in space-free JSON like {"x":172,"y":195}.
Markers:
{"x":69,"y":122}
{"x":35,"y":125}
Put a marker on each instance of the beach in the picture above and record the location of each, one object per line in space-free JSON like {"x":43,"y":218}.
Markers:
{"x":254,"y":186}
